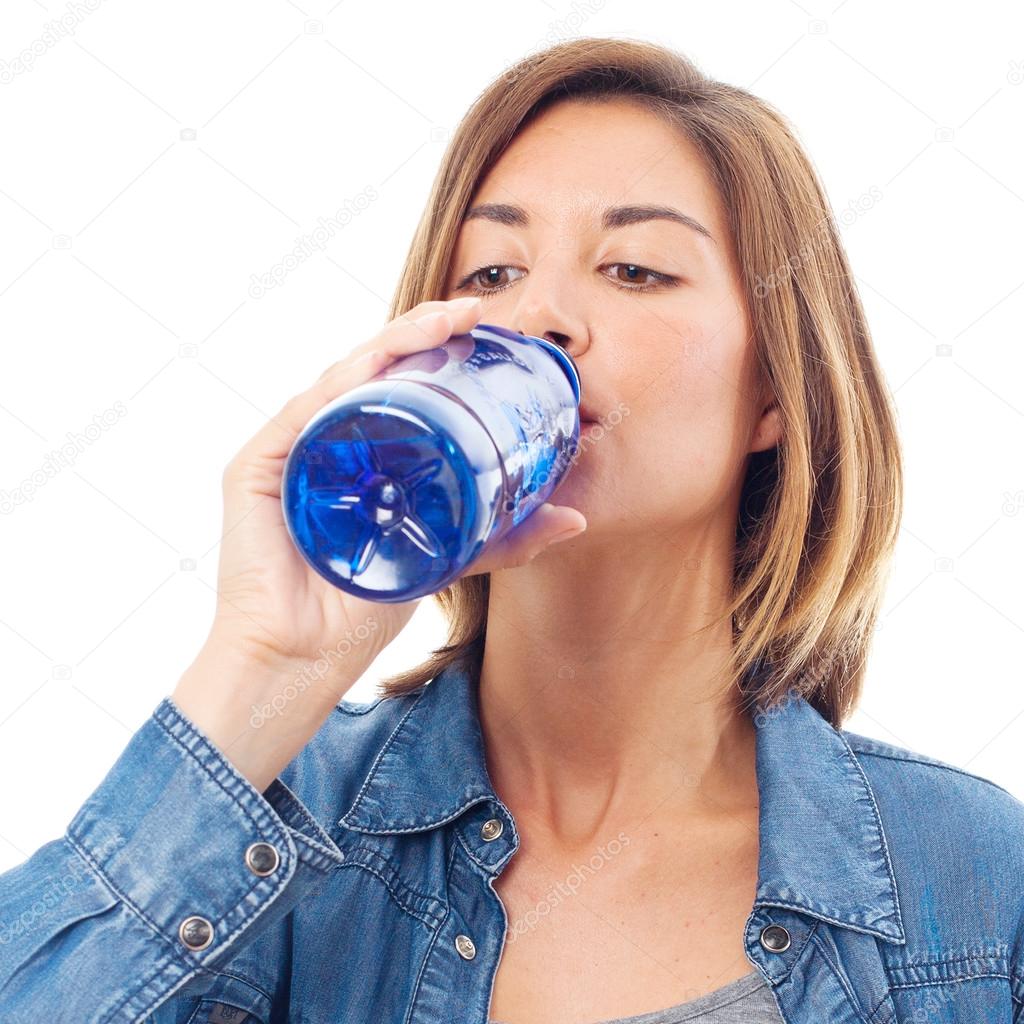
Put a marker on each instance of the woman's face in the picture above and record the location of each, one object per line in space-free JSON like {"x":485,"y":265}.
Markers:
{"x":561,"y":242}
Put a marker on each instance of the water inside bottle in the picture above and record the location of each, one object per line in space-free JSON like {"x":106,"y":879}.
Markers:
{"x":355,"y":514}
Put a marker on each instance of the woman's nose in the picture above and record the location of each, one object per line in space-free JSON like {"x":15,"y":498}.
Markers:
{"x":575,"y":344}
{"x":554,"y":336}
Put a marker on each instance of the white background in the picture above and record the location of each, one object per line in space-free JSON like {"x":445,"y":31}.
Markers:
{"x":162,"y":154}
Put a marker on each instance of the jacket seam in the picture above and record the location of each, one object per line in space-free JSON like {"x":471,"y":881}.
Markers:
{"x":850,"y":994}
{"x":245,"y":981}
{"x":356,"y":709}
{"x":292,"y":799}
{"x":951,"y":981}
{"x":191,"y":970}
{"x":478,"y":866}
{"x":141,"y":989}
{"x":433,"y":941}
{"x":380,"y":755}
{"x":173,"y":958}
{"x":821,"y":916}
{"x":867,"y":752}
{"x":392,"y":890}
{"x":195,"y":759}
{"x":968,"y":958}
{"x":881,"y":833}
{"x":126,"y":900}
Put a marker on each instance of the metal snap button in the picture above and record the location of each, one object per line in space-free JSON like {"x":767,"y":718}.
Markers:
{"x":775,"y":938}
{"x":491,"y":829}
{"x":464,"y":944}
{"x":262,"y":859}
{"x":196,"y":933}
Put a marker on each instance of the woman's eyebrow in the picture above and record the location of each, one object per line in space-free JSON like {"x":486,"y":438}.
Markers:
{"x":614,"y":217}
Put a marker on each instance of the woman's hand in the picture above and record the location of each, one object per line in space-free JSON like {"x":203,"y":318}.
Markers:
{"x":274,"y":613}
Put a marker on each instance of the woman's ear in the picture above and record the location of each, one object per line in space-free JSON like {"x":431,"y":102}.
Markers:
{"x":767,"y":431}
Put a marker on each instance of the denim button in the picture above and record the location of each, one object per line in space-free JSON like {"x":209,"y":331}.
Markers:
{"x":775,"y":938}
{"x":491,"y":829}
{"x":196,"y":933}
{"x":262,"y":859}
{"x":464,"y":944}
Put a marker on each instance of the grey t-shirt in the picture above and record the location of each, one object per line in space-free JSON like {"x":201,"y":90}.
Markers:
{"x":747,"y":1000}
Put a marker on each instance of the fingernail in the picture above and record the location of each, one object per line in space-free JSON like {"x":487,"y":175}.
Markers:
{"x":465,"y":303}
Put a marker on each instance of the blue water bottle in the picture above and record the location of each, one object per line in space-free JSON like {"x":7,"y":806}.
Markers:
{"x":395,"y":487}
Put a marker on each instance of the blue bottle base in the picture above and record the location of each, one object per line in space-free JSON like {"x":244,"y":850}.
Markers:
{"x":382,"y":503}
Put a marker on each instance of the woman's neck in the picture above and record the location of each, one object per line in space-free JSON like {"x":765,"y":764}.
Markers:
{"x":597,"y":702}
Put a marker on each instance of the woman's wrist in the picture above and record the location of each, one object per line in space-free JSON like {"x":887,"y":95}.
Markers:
{"x":259,"y":711}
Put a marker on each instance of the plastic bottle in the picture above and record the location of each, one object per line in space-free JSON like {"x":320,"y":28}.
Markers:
{"x":395,"y":487}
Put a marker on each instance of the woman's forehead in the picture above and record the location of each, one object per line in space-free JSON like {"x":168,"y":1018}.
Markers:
{"x":577,"y":161}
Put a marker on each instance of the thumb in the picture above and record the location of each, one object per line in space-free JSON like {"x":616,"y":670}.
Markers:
{"x":545,"y":526}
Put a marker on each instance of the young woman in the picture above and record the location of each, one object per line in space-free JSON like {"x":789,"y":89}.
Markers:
{"x":622,"y":789}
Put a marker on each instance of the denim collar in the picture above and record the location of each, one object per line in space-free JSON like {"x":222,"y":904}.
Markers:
{"x":822,"y":849}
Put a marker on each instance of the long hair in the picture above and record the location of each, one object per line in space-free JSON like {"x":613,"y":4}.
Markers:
{"x":819,"y":514}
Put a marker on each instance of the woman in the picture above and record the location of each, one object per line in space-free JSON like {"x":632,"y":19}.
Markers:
{"x":622,"y":789}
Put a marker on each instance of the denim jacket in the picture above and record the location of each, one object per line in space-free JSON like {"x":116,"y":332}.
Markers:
{"x":358,"y":886}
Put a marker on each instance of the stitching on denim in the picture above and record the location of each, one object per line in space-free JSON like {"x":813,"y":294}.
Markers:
{"x":380,"y":755}
{"x":427,"y":824}
{"x":451,"y":864}
{"x":221,"y":763}
{"x":878,"y":1006}
{"x":122,"y":897}
{"x":291,"y":800}
{"x":798,"y":950}
{"x":283,"y":880}
{"x":950,"y":981}
{"x":881,"y":830}
{"x":850,"y":994}
{"x":237,"y":801}
{"x":350,"y":707}
{"x":935,"y":764}
{"x":294,"y":804}
{"x":140,"y":990}
{"x":822,"y":916}
{"x":478,"y":866}
{"x":434,"y":938}
{"x":175,"y":955}
{"x":396,"y":873}
{"x":1001,"y":950}
{"x":423,"y":964}
{"x":243,"y":980}
{"x":394,"y":895}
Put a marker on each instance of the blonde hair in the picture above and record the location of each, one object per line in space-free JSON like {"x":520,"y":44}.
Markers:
{"x":819,"y":514}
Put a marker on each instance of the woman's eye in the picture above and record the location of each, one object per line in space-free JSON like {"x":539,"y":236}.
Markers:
{"x":636,"y":278}
{"x":635,"y":274}
{"x":487,"y":279}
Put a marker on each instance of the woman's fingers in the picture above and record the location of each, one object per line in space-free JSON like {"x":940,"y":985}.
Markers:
{"x":408,"y":332}
{"x":546,"y":525}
